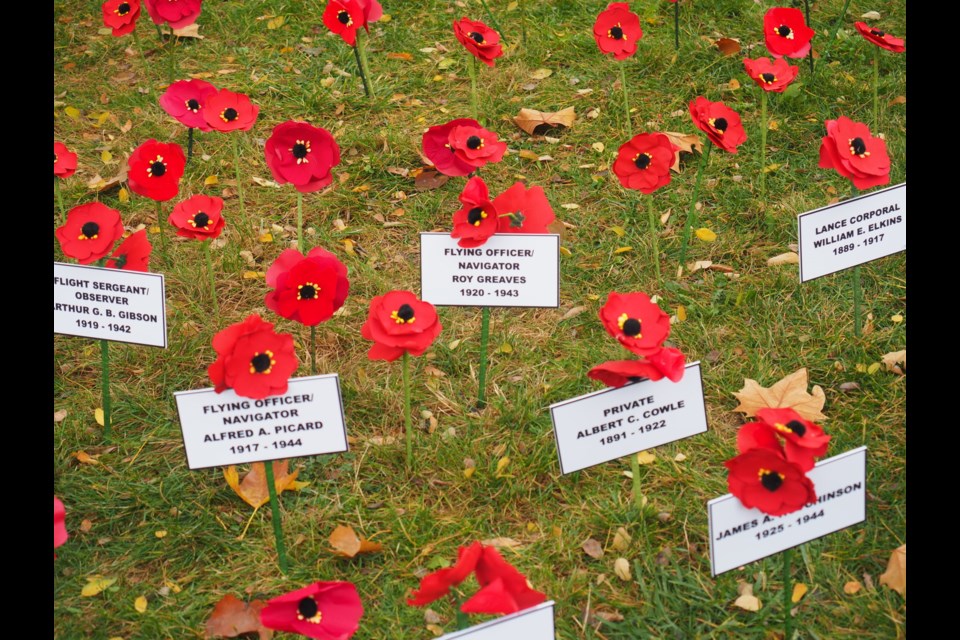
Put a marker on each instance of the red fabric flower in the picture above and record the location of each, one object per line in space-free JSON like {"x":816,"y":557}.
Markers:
{"x":252,"y":359}
{"x":344,"y":17}
{"x":121,"y":15}
{"x":763,"y":479}
{"x":475,"y":145}
{"x":879,"y":38}
{"x":849,"y":148}
{"x":89,"y":232}
{"x":617,"y":30}
{"x":176,"y":13}
{"x":434,"y":586}
{"x":479,"y":39}
{"x":307,"y":289}
{"x":527,"y":210}
{"x":184,"y":100}
{"x":324,"y":610}
{"x":477,"y":220}
{"x":774,"y":74}
{"x":503,"y":589}
{"x":643,"y":162}
{"x":198,"y":217}
{"x":59,"y":524}
{"x":155,"y":169}
{"x":720,"y":123}
{"x":64,"y":161}
{"x":636,"y":322}
{"x":302,"y":154}
{"x":436,"y":148}
{"x":399,"y":323}
{"x":786,"y":32}
{"x":133,"y":254}
{"x":665,"y":363}
{"x":228,"y":111}
{"x":803,"y":440}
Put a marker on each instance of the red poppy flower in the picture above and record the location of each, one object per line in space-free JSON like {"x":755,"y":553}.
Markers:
{"x":155,"y":169}
{"x":198,"y":217}
{"x":477,"y":220}
{"x":879,"y":38}
{"x":849,"y":148}
{"x":522,"y":210}
{"x":665,"y":363}
{"x":475,"y":145}
{"x":437,"y":149}
{"x":176,"y":13}
{"x":324,"y":610}
{"x":479,"y":39}
{"x":307,"y":289}
{"x":59,"y":524}
{"x":344,"y":17}
{"x":504,"y":589}
{"x":252,"y":359}
{"x":399,"y":323}
{"x":617,"y":30}
{"x":636,"y":322}
{"x":228,"y":111}
{"x":121,"y":15}
{"x":774,"y":74}
{"x":184,"y":100}
{"x":643,"y":162}
{"x":133,"y":254}
{"x":720,"y":123}
{"x":434,"y":586}
{"x":89,"y":232}
{"x":64,"y":161}
{"x":764,"y":479}
{"x":803,"y":440}
{"x":302,"y":154}
{"x":786,"y":32}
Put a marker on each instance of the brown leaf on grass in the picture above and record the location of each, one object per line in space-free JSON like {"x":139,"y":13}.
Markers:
{"x":189,"y":31}
{"x":347,"y":543}
{"x":895,"y":576}
{"x":430,"y":179}
{"x":687,"y":143}
{"x":790,"y":257}
{"x":537,"y":122}
{"x":893,"y":360}
{"x":897,"y":100}
{"x":402,"y":55}
{"x":502,"y":543}
{"x":790,"y":392}
{"x":728,"y":46}
{"x":592,"y":548}
{"x":253,"y":487}
{"x":852,"y":587}
{"x":100,"y":185}
{"x":233,"y":617}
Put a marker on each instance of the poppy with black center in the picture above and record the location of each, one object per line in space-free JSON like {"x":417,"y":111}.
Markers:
{"x":198,"y":217}
{"x":322,"y":610}
{"x":252,"y":359}
{"x":307,"y":289}
{"x":476,"y":221}
{"x":399,"y":322}
{"x":345,"y":17}
{"x":786,"y":32}
{"x":479,"y":39}
{"x":437,"y":150}
{"x":643,"y":162}
{"x":64,"y":161}
{"x":302,"y":154}
{"x":184,"y":100}
{"x":803,"y":440}
{"x":475,"y":146}
{"x":121,"y":15}
{"x":617,"y":30}
{"x":773,"y":75}
{"x":721,"y":123}
{"x":155,"y":169}
{"x":228,"y":111}
{"x":90,"y":232}
{"x":763,"y":479}
{"x":849,"y":148}
{"x":133,"y":254}
{"x":880,"y":38}
{"x":636,"y":322}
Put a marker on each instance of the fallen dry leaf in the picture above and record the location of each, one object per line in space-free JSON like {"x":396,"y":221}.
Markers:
{"x":58,"y":416}
{"x":253,"y":487}
{"x":895,"y":576}
{"x":621,"y":540}
{"x":347,"y":543}
{"x":100,"y":185}
{"x":790,"y":392}
{"x":687,"y":143}
{"x":622,"y":568}
{"x":573,"y":312}
{"x":790,"y":257}
{"x":502,"y":543}
{"x":97,"y":583}
{"x":592,"y":548}
{"x":140,"y":604}
{"x":747,"y":600}
{"x":232,"y":617}
{"x":189,"y":31}
{"x":893,"y":360}
{"x":537,"y":122}
{"x":852,"y":587}
{"x":799,"y":590}
{"x":728,"y":46}
{"x":430,"y":179}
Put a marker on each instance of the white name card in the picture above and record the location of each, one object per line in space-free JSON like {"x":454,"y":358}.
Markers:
{"x":221,"y":429}
{"x":509,"y":270}
{"x":852,"y":232}
{"x":109,"y":304}
{"x":616,"y":422}
{"x":535,"y":623}
{"x":739,"y":535}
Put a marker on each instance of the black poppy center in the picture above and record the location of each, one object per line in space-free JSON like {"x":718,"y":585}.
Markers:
{"x":720,"y":124}
{"x":307,"y":607}
{"x":230,"y":114}
{"x":859,"y":148}
{"x":474,"y":216}
{"x":631,"y":327}
{"x":405,"y":312}
{"x":201,"y":220}
{"x":474,"y":142}
{"x":879,"y":34}
{"x":797,"y":427}
{"x":477,"y":37}
{"x":123,"y":9}
{"x":90,"y":229}
{"x":193,"y":105}
{"x":260,"y":362}
{"x":642,"y":161}
{"x":784,"y":31}
{"x":616,"y":33}
{"x":771,"y":481}
{"x":768,"y":77}
{"x":299,"y":150}
{"x":307,"y":292}
{"x":344,"y":18}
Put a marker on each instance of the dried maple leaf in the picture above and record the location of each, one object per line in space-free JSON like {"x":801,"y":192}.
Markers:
{"x":893,"y":359}
{"x":537,"y":122}
{"x":790,"y":392}
{"x":253,"y":487}
{"x":728,"y":46}
{"x":687,"y":143}
{"x":895,"y":576}
{"x":347,"y":543}
{"x":233,"y":617}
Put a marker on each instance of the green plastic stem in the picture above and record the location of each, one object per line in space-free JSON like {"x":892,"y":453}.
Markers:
{"x":408,"y":421}
{"x":763,"y":146}
{"x":806,"y":5}
{"x":365,"y":65}
{"x":105,"y":386}
{"x":213,"y":281}
{"x":484,"y":340}
{"x":836,"y":25}
{"x":493,"y":19}
{"x":787,"y":594}
{"x":363,"y":76}
{"x":275,"y":515}
{"x":676,"y":25}
{"x":692,"y":215}
{"x":626,"y":98}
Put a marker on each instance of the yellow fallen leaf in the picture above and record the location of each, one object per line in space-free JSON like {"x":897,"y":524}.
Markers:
{"x":348,"y":246}
{"x":748,"y":602}
{"x":790,"y":392}
{"x":620,"y":231}
{"x":140,"y":604}
{"x":541,"y":74}
{"x":896,"y":318}
{"x":210,"y":180}
{"x":873,"y":368}
{"x":620,"y":250}
{"x":96,"y":584}
{"x":790,"y":257}
{"x":454,"y":344}
{"x":106,"y":156}
{"x":770,"y":168}
{"x":645,"y":457}
{"x":253,"y":275}
{"x":266,"y":237}
{"x":681,"y":313}
{"x":528,"y":155}
{"x":799,"y":590}
{"x":72,"y":112}
{"x":160,"y":534}
{"x":124,"y":195}
{"x":853,"y":586}
{"x":705,"y":234}
{"x":621,"y":567}
{"x":501,"y":464}
{"x":506,"y":347}
{"x":469,"y":471}
{"x":276,"y":23}
{"x":565,"y":252}
{"x":98,"y":416}
{"x":85,"y":458}
{"x":895,"y":576}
